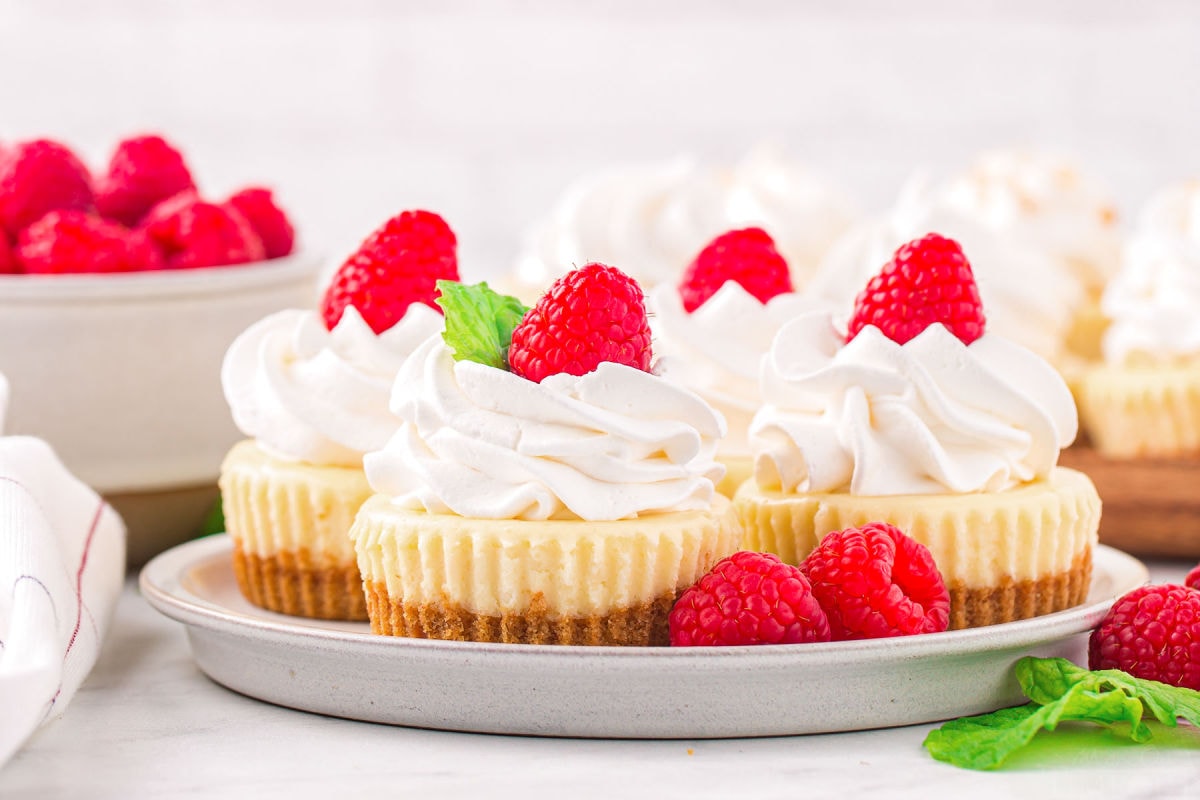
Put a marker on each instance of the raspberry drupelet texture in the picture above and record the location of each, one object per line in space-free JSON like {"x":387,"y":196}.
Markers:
{"x":72,"y":242}
{"x":747,"y":256}
{"x":269,"y":221}
{"x":1152,"y":632}
{"x":748,"y":598}
{"x":592,"y":314}
{"x":876,"y":582}
{"x":143,"y":171}
{"x":928,"y":280}
{"x":193,"y":233}
{"x":39,"y":177}
{"x":398,"y":265}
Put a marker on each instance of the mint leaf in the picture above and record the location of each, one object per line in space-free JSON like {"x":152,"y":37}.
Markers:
{"x":479,"y":322}
{"x":985,"y":741}
{"x":1167,"y":703}
{"x":1061,"y":692}
{"x":1045,"y":679}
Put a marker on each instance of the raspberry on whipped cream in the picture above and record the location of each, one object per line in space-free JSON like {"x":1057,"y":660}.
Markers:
{"x":1027,"y":297}
{"x":318,"y":396}
{"x":478,"y":440}
{"x":482,"y":442}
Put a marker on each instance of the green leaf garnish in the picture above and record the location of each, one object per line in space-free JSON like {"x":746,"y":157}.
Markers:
{"x":1061,"y":692}
{"x":479,"y":322}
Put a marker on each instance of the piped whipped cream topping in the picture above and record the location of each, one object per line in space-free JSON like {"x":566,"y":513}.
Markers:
{"x":318,"y":396}
{"x":1047,"y":203}
{"x":716,"y":351}
{"x":477,"y":441}
{"x":932,"y":416}
{"x":1026,"y":296}
{"x":654,"y":219}
{"x":1152,"y":301}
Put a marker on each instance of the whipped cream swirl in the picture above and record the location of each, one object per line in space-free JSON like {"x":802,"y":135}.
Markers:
{"x":716,"y":350}
{"x":1047,"y":203}
{"x":652,"y":220}
{"x":932,"y":416}
{"x":1027,"y":297}
{"x":1152,"y":301}
{"x":318,"y":396}
{"x":481,"y":442}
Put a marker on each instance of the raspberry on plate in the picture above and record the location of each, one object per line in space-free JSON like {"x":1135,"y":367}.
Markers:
{"x":269,"y":221}
{"x":748,"y":598}
{"x":72,"y":241}
{"x":592,"y":314}
{"x":1193,"y":578}
{"x":399,"y":264}
{"x":193,"y":233}
{"x":928,"y":280}
{"x":876,"y":582}
{"x":747,"y":256}
{"x":144,"y":171}
{"x":1151,"y":632}
{"x":39,"y":177}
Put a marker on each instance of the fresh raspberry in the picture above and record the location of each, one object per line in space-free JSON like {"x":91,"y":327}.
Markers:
{"x":1152,"y":632}
{"x":747,"y":256}
{"x":73,"y":241}
{"x":1193,"y":578}
{"x":38,"y":177}
{"x":876,"y":582}
{"x":193,"y":233}
{"x":268,"y":220}
{"x":8,"y":259}
{"x":398,"y":265}
{"x":592,"y":314}
{"x":748,"y":598}
{"x":144,"y":171}
{"x":928,"y":280}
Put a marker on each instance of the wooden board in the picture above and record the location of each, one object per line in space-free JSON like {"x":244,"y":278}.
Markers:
{"x":1151,"y":507}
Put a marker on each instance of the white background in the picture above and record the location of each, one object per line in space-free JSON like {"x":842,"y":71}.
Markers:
{"x":484,"y":111}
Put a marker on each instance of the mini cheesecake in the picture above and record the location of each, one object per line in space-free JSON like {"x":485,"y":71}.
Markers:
{"x":442,"y":576}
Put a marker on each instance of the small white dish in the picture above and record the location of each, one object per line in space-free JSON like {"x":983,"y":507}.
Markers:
{"x":121,"y":374}
{"x":341,"y":669}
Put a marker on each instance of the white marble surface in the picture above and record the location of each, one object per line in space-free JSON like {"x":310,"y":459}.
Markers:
{"x":148,"y":724}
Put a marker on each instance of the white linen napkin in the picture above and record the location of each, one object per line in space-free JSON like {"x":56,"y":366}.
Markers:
{"x":62,"y":562}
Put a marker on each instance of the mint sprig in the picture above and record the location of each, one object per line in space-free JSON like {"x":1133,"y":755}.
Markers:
{"x":1061,"y":692}
{"x":479,"y":322}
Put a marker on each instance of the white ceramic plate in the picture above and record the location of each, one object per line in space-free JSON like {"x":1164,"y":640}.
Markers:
{"x":341,"y":669}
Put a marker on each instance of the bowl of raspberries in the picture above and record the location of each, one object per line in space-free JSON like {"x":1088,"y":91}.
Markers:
{"x":120,"y":290}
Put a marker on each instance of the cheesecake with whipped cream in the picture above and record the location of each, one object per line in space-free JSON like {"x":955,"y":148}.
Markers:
{"x":312,"y":401}
{"x":951,"y":435}
{"x":573,"y":509}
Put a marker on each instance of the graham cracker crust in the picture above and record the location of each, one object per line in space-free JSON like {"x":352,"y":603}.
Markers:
{"x":1013,"y":600}
{"x":289,"y":582}
{"x":640,"y":625}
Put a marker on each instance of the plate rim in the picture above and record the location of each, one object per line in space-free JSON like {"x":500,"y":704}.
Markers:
{"x":160,"y":583}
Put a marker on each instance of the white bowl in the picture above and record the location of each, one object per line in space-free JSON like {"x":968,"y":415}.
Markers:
{"x":121,"y":373}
